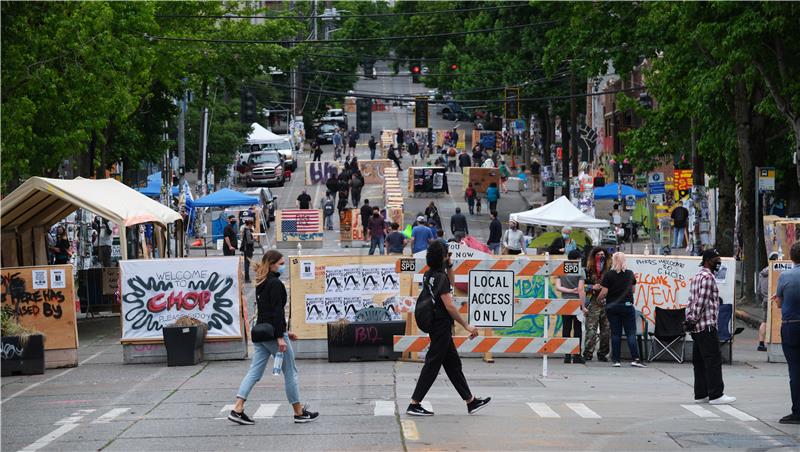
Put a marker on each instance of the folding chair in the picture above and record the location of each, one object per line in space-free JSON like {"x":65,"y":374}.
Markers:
{"x":669,"y":334}
{"x":724,"y":324}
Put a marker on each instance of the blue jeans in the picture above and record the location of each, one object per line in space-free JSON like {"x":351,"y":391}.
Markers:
{"x":679,"y":235}
{"x":622,"y":317}
{"x":261,"y":354}
{"x":494,"y":247}
{"x":329,"y":222}
{"x":376,"y":242}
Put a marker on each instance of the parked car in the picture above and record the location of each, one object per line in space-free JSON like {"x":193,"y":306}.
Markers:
{"x":452,"y":111}
{"x":325,"y":132}
{"x":335,"y":115}
{"x":269,"y":202}
{"x":265,"y":167}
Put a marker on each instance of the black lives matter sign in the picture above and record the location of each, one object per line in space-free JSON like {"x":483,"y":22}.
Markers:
{"x":491,"y":298}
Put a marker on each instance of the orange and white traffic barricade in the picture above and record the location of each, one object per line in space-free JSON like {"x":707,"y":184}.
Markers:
{"x":493,"y":279}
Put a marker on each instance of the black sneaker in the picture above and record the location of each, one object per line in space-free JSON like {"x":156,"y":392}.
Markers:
{"x":567,"y":359}
{"x":240,"y":418}
{"x":477,"y":404}
{"x":587,"y":358}
{"x":306,"y":417}
{"x":761,"y":348}
{"x":578,"y":359}
{"x":790,"y":419}
{"x":416,"y":409}
{"x":602,"y":359}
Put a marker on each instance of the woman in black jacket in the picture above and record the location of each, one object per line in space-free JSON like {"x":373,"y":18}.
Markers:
{"x":271,"y":303}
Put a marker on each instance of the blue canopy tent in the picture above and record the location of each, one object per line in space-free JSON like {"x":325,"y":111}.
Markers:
{"x":225,"y":197}
{"x":153,"y":189}
{"x":610,"y":192}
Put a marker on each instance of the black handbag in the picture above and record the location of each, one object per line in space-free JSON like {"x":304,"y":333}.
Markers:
{"x":261,"y":332}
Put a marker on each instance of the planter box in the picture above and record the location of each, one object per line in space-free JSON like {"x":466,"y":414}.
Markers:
{"x":184,"y":345}
{"x":22,"y":360}
{"x":364,"y":341}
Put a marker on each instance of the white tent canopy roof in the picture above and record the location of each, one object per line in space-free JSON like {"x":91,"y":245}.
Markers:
{"x":560,"y":212}
{"x":41,"y":201}
{"x":261,"y":135}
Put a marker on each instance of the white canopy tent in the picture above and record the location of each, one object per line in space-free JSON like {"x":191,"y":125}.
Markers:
{"x":261,"y":135}
{"x":560,"y":212}
{"x":41,"y":202}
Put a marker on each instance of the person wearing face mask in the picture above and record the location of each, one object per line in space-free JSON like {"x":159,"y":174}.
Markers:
{"x":701,"y":320}
{"x":271,"y":304}
{"x":597,"y":264}
{"x":513,"y":239}
{"x":231,"y":238}
{"x":564,"y":243}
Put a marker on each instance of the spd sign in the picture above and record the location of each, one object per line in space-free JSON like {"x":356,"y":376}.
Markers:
{"x":491,"y":298}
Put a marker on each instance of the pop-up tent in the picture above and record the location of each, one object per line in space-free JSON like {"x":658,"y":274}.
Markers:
{"x":560,"y":212}
{"x":39,"y":202}
{"x":153,"y":189}
{"x":610,"y":192}
{"x":225,"y":198}
{"x":261,"y":135}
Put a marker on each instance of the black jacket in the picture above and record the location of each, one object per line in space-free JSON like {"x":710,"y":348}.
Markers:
{"x":495,"y":231}
{"x":464,"y":160}
{"x":366,"y":212}
{"x":271,"y":302}
{"x":458,"y":222}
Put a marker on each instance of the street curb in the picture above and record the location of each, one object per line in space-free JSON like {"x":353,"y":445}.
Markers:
{"x":747,"y":318}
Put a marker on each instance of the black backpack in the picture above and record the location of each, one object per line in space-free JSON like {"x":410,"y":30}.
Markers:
{"x":424,"y":309}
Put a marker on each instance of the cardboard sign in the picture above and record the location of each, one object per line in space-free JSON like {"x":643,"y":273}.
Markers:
{"x":46,"y":302}
{"x":491,"y":298}
{"x":156,"y":292}
{"x":458,"y":251}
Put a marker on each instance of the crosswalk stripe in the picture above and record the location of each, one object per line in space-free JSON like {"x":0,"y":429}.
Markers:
{"x":108,"y":417}
{"x":699,"y":411}
{"x":384,"y":408}
{"x":266,"y":411}
{"x":738,"y":414}
{"x":583,"y":411}
{"x":543,"y":410}
{"x":50,"y":437}
{"x":226,"y":408}
{"x":70,"y":420}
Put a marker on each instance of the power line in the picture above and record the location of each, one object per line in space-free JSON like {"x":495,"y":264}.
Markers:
{"x":344,"y":16}
{"x":346,"y":40}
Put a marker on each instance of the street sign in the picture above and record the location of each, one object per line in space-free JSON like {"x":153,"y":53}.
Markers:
{"x":658,"y":198}
{"x":491,"y":298}
{"x":630,"y":202}
{"x":519,"y":125}
{"x":766,"y":178}
{"x":655,"y":178}
{"x":554,"y":183}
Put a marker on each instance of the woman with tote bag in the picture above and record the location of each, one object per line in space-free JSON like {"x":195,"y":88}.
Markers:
{"x":271,"y":338}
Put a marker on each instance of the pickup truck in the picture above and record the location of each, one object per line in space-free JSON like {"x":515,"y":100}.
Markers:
{"x":264,"y":167}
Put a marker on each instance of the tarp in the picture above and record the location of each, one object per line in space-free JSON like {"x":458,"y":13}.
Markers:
{"x":261,"y":135}
{"x":153,"y":189}
{"x":41,"y":201}
{"x":560,"y":212}
{"x":610,"y":192}
{"x":225,"y":198}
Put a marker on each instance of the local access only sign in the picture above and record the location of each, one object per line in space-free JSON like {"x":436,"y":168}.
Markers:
{"x":491,"y":298}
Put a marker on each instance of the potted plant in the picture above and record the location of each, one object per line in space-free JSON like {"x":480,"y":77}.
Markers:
{"x":184,"y":341}
{"x":22,"y":347}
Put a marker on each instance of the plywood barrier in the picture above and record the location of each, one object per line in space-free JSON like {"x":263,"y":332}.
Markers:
{"x":481,"y":178}
{"x":428,"y":180}
{"x":374,"y":170}
{"x":773,"y":311}
{"x":317,"y":173}
{"x":45,"y":296}
{"x":328,"y":288}
{"x":297,"y":225}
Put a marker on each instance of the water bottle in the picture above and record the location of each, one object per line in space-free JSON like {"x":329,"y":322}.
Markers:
{"x":277,"y":364}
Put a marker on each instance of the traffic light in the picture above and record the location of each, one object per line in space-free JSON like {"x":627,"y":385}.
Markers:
{"x":415,"y":71}
{"x":453,"y":67}
{"x":364,"y":115}
{"x":248,"y":105}
{"x":511,"y":104}
{"x":421,"y":112}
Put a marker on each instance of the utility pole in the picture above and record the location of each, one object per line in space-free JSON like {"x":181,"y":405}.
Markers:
{"x":565,"y":150}
{"x":182,"y":137}
{"x":698,"y":188}
{"x":573,"y":121}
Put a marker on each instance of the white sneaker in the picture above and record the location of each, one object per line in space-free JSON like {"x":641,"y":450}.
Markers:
{"x":616,"y":364}
{"x":723,"y":400}
{"x":638,"y":363}
{"x":703,"y":400}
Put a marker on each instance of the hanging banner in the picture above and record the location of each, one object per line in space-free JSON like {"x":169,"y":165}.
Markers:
{"x":156,"y":292}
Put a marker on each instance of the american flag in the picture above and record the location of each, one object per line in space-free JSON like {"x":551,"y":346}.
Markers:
{"x":300,"y":221}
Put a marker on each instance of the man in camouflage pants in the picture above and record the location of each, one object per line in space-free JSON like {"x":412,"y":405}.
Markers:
{"x":596,"y":317}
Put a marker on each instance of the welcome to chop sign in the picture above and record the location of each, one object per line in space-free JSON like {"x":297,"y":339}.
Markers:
{"x":491,"y":298}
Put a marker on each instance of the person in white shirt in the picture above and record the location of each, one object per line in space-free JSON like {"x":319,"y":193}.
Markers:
{"x":513,"y":239}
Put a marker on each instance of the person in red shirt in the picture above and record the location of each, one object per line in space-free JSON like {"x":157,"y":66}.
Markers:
{"x":376,"y":228}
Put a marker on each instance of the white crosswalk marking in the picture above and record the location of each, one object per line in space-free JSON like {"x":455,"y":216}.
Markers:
{"x":266,"y":410}
{"x":738,"y":414}
{"x":70,"y":420}
{"x":543,"y":410}
{"x":583,"y":411}
{"x":226,"y":408}
{"x":699,"y":411}
{"x":50,"y":437}
{"x":384,"y":408}
{"x":110,"y":416}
